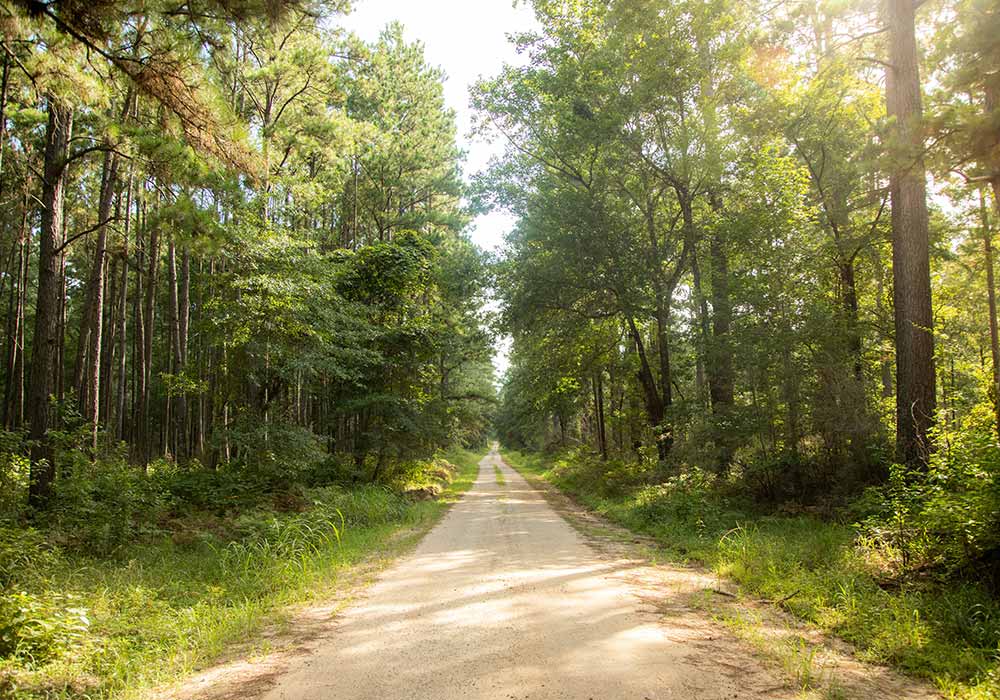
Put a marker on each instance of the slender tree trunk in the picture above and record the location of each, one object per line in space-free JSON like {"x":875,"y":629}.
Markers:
{"x":721,"y":378}
{"x":139,"y":339}
{"x":654,"y":404}
{"x":184,"y":438}
{"x":122,"y":356}
{"x":915,"y":377}
{"x":14,"y":389}
{"x":665,"y":439}
{"x":178,"y":335}
{"x":150,"y":318}
{"x":4,"y":85}
{"x":702,"y":322}
{"x":849,"y":303}
{"x":109,"y":342}
{"x":992,"y":299}
{"x":44,"y":342}
{"x":142,"y":414}
{"x":61,"y":332}
{"x":92,"y":325}
{"x":11,"y":323}
{"x":601,"y":424}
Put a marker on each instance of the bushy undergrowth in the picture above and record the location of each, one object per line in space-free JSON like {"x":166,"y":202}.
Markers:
{"x":945,"y":519}
{"x":905,"y":585}
{"x":135,"y":578}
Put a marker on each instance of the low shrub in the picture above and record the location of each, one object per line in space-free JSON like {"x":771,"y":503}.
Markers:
{"x":100,"y":506}
{"x":37,"y":628}
{"x":23,"y":550}
{"x":946,"y":517}
{"x":14,"y":465}
{"x":690,"y":499}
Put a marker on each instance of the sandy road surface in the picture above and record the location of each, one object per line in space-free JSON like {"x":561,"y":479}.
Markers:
{"x":504,"y":600}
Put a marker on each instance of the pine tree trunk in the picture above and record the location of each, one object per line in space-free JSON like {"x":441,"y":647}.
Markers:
{"x":992,"y":299}
{"x":61,"y":326}
{"x":178,"y":336}
{"x":915,"y":378}
{"x":92,"y":324}
{"x":601,"y":424}
{"x":139,"y":340}
{"x":150,"y":320}
{"x":13,"y":404}
{"x":122,"y":333}
{"x":44,"y":341}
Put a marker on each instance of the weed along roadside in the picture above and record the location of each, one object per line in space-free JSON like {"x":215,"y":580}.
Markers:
{"x":823,"y":572}
{"x":144,"y":613}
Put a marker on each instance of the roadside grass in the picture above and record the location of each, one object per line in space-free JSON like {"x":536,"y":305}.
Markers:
{"x":944,"y":631}
{"x":89,"y":627}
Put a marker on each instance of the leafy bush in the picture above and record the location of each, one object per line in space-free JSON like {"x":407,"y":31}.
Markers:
{"x":103,"y":505}
{"x":580,"y":470}
{"x":947,"y":516}
{"x":14,"y":466}
{"x":690,"y":499}
{"x":40,"y":627}
{"x":192,"y":487}
{"x":274,"y":452}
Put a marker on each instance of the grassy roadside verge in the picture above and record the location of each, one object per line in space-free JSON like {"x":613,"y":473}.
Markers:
{"x":943,"y":631}
{"x":91,"y":627}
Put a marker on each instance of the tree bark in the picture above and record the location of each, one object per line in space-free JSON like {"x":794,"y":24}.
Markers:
{"x":665,"y":436}
{"x":44,"y":341}
{"x":92,"y":325}
{"x":721,"y":378}
{"x":179,"y":292}
{"x":915,"y":377}
{"x":992,"y":299}
{"x":651,"y":395}
{"x":13,"y":404}
{"x":598,"y":391}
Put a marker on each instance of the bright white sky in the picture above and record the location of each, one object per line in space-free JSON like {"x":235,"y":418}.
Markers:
{"x":468,"y":40}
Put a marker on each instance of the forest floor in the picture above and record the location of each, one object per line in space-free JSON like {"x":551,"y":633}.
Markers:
{"x":518,"y":593}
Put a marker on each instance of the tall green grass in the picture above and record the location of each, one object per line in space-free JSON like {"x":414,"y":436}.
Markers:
{"x":943,"y":630}
{"x":80,"y":626}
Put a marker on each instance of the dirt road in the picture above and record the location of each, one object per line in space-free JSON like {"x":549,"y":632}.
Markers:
{"x":503,"y":599}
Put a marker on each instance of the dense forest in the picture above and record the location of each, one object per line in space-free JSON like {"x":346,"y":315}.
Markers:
{"x":231,"y":238}
{"x":750,"y":291}
{"x":727,"y":248}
